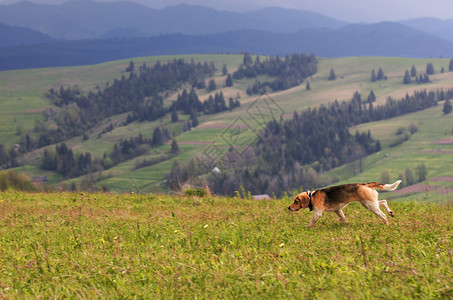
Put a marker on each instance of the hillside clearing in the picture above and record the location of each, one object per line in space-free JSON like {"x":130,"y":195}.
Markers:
{"x":23,"y":102}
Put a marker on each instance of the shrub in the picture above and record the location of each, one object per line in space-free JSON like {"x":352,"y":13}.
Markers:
{"x":200,"y":192}
{"x":12,"y":180}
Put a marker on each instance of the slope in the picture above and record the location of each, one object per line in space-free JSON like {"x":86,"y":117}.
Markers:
{"x":353,"y":74}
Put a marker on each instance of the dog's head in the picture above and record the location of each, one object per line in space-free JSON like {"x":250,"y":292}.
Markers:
{"x":300,"y":202}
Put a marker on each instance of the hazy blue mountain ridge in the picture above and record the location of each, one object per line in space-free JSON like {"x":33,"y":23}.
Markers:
{"x":85,"y":19}
{"x":441,"y":28}
{"x":382,"y":39}
{"x":14,"y":36}
{"x":87,"y":32}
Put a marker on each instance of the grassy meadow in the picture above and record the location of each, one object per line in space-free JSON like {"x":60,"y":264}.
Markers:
{"x":75,"y":245}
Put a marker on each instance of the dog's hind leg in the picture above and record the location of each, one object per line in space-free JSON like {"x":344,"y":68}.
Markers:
{"x":374,"y":207}
{"x":387,"y":208}
{"x":341,"y":215}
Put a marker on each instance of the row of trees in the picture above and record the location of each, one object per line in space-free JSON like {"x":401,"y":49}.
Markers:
{"x":420,"y":79}
{"x":65,"y":162}
{"x":380,"y":75}
{"x":288,"y":72}
{"x":138,"y":93}
{"x":136,"y":146}
{"x":409,"y":176}
{"x":188,"y":102}
{"x":413,"y":76}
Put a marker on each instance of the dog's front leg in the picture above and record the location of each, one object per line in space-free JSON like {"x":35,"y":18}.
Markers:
{"x":316,"y":215}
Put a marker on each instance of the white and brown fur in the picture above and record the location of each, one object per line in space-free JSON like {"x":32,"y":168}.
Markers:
{"x":336,"y":197}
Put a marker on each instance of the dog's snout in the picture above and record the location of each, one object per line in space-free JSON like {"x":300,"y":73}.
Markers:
{"x":290,"y":208}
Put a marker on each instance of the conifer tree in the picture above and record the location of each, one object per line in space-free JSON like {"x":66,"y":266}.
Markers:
{"x":409,"y":177}
{"x":229,"y":81}
{"x":373,"y":75}
{"x":426,"y":78}
{"x":224,"y":69}
{"x":174,"y":116}
{"x":332,"y":75}
{"x":157,"y":137}
{"x":413,"y":71}
{"x":174,"y":147}
{"x":194,"y":118}
{"x":131,"y":67}
{"x":247,"y":59}
{"x":371,"y":97}
{"x":380,"y":74}
{"x":430,"y":69}
{"x":447,"y":107}
{"x":211,"y":85}
{"x":407,"y":78}
{"x":422,"y":171}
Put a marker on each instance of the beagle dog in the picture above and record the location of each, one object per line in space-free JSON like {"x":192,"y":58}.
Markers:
{"x":334,"y":198}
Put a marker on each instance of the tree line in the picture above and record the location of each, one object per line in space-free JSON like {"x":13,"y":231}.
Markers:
{"x":65,"y":162}
{"x":138,"y":93}
{"x":288,"y":72}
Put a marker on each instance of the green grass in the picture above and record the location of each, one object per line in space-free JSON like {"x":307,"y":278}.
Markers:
{"x":68,"y":245}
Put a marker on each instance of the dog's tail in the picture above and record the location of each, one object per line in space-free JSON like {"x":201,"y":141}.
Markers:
{"x":385,"y":187}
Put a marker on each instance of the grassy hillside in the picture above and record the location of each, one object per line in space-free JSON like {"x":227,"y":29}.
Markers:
{"x":22,"y":101}
{"x":69,"y":245}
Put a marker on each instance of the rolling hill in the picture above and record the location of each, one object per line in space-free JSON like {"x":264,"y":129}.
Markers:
{"x":382,"y":39}
{"x":23,"y":103}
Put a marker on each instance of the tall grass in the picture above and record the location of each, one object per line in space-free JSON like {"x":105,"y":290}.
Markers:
{"x":67,"y":245}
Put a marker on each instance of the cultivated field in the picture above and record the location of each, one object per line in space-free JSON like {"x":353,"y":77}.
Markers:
{"x":68,"y":245}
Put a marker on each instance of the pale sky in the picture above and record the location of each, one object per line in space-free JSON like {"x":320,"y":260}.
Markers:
{"x":367,"y":11}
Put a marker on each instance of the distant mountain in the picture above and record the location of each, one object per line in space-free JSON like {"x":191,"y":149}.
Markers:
{"x":14,"y":36}
{"x":278,"y":19}
{"x":85,"y":19}
{"x":441,"y":28}
{"x":382,"y":39}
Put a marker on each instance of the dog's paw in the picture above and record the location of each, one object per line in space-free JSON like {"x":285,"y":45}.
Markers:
{"x":391,"y":214}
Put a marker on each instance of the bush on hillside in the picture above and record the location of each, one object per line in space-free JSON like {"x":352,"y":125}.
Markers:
{"x":12,"y":180}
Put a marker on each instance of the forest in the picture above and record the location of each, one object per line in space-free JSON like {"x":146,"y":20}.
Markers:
{"x":140,"y":94}
{"x":296,"y":152}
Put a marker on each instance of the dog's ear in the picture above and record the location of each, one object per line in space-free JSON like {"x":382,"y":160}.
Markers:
{"x":305,"y":199}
